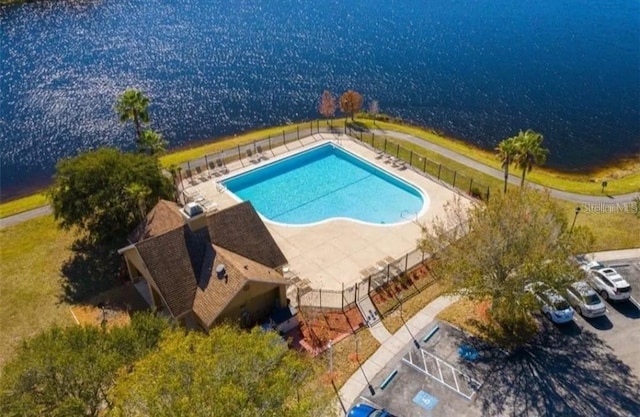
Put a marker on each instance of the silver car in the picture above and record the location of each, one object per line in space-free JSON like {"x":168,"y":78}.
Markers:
{"x":552,"y":304}
{"x":585,"y":301}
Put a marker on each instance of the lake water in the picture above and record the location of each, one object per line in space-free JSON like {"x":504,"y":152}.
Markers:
{"x":478,"y":70}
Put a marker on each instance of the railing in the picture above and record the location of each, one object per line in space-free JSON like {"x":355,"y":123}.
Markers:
{"x":423,"y":164}
{"x":347,"y":297}
{"x":295,"y":138}
{"x":394,"y":273}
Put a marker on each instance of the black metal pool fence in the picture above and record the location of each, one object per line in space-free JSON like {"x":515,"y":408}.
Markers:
{"x":389,"y":146}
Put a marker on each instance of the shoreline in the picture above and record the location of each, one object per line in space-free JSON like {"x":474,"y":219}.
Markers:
{"x":617,"y":169}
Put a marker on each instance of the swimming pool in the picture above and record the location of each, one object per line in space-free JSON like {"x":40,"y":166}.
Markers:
{"x":327,"y":182}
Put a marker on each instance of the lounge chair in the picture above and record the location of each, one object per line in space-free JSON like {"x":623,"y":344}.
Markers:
{"x":193,"y":195}
{"x":260,"y":153}
{"x":252,"y":158}
{"x":379,"y":153}
{"x":222,"y":168}
{"x":191,"y":178}
{"x":203,"y":175}
{"x":213,"y":170}
{"x":209,"y":206}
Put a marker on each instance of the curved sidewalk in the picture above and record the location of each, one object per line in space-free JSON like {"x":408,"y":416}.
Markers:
{"x":390,"y":346}
{"x":499,"y":174}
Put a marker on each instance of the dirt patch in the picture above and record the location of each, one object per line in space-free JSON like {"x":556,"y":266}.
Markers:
{"x":110,"y":308}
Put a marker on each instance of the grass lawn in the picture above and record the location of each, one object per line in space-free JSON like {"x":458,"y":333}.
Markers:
{"x":622,"y":178}
{"x":466,"y":315}
{"x":613,"y":230}
{"x":345,"y":361}
{"x":393,"y":322}
{"x":22,"y":204}
{"x":616,"y":230}
{"x":31,"y":254}
{"x":184,"y":155}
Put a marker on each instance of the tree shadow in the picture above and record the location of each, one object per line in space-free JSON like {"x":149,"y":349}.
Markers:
{"x":556,"y":375}
{"x":91,"y":270}
{"x":357,"y":126}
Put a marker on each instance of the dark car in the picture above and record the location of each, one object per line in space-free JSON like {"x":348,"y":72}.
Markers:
{"x":364,"y":410}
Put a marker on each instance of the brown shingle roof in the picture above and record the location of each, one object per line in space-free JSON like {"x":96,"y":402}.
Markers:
{"x":240,"y":230}
{"x":211,"y":300}
{"x":182,"y":262}
{"x":165,"y":216}
{"x":171,"y":258}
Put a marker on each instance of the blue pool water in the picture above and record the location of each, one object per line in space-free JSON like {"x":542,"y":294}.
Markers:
{"x":324,"y":183}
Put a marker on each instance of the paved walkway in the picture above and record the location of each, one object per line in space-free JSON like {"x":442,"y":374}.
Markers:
{"x":497,"y":173}
{"x":577,"y":198}
{"x":390,"y":346}
{"x":24,"y":216}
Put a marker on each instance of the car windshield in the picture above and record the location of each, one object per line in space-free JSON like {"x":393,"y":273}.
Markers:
{"x":591,"y":300}
{"x":561,"y":305}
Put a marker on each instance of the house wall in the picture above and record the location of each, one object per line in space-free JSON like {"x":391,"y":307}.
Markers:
{"x":259,"y":300}
{"x":138,"y":271}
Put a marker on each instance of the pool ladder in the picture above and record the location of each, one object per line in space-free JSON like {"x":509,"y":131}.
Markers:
{"x":413,"y":218}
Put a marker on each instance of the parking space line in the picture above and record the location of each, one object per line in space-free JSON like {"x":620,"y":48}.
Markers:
{"x":472,"y":384}
{"x":365,"y":399}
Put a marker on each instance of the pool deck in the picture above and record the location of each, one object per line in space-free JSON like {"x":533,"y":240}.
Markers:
{"x":331,"y":255}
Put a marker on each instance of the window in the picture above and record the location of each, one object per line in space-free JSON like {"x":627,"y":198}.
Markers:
{"x":591,"y":299}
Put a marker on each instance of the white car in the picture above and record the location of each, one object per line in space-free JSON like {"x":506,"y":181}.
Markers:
{"x":553,"y":305}
{"x":609,"y":284}
{"x":584,"y":300}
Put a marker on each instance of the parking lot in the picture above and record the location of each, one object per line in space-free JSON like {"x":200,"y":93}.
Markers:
{"x":620,"y":328}
{"x":583,"y":368}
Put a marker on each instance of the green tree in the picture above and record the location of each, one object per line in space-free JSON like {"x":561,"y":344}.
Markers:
{"x":351,"y":102}
{"x":67,"y":371}
{"x":491,"y":252}
{"x":530,"y":151}
{"x":93,"y":191}
{"x":506,"y":152}
{"x":152,"y":143}
{"x":225,"y":373}
{"x":133,"y":105}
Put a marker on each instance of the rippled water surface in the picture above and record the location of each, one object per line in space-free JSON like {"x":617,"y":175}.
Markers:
{"x":479,"y":70}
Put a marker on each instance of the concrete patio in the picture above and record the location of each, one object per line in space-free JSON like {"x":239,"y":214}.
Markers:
{"x":332,"y":255}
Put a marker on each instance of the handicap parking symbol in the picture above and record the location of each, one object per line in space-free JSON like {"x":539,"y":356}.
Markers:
{"x":425,"y":400}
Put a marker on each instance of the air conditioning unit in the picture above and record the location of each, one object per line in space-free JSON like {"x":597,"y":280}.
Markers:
{"x":193,"y":209}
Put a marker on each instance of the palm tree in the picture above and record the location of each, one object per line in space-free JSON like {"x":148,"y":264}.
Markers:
{"x":138,"y":194}
{"x":152,"y":143}
{"x":530,"y":151}
{"x":133,"y":105}
{"x":506,"y":152}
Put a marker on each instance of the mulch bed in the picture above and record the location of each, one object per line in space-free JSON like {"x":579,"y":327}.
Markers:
{"x":318,"y":327}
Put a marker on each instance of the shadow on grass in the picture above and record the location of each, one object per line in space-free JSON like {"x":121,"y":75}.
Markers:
{"x":357,"y":126}
{"x":91,"y":270}
{"x":556,"y":375}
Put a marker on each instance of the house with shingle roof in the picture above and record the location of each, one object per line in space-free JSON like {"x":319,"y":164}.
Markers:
{"x":207,"y":268}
